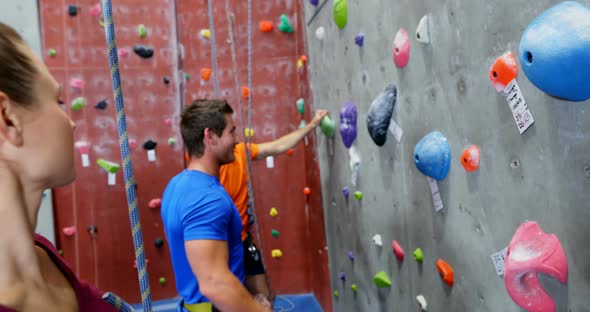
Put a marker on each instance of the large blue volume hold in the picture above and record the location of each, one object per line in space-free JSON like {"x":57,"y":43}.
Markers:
{"x":555,"y":51}
{"x":432,"y":155}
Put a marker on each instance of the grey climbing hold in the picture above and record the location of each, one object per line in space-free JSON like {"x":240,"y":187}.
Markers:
{"x":101,"y":105}
{"x":72,"y":10}
{"x":143,"y":51}
{"x":380,"y":113}
{"x":150,"y":145}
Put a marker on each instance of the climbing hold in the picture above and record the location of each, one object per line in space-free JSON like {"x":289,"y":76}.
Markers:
{"x":155,"y":203}
{"x":60,"y":252}
{"x":135,"y":263}
{"x":382,"y":280}
{"x":276,"y":253}
{"x":77,"y":83}
{"x":248,"y":132}
{"x":328,"y":126}
{"x":150,"y":145}
{"x":354,"y":287}
{"x":377,"y":240}
{"x":345,"y":192}
{"x":162,"y":281}
{"x":168,"y":122}
{"x":69,"y":231}
{"x":307,"y":191}
{"x":96,"y":10}
{"x":143,"y":51}
{"x":101,"y":105}
{"x":503,"y":71}
{"x":78,"y":103}
{"x":205,"y":33}
{"x":290,"y":152}
{"x":187,"y":76}
{"x":359,"y":39}
{"x":401,"y":48}
{"x":52,"y":53}
{"x":422,"y":302}
{"x":342,"y":276}
{"x":348,"y":126}
{"x":301,"y":106}
{"x":206,"y":74}
{"x":555,"y":43}
{"x":432,"y":155}
{"x":314,"y":2}
{"x":171,"y":141}
{"x":470,"y":158}
{"x":166,"y":80}
{"x":141,"y":31}
{"x":340,"y":13}
{"x":446,"y":272}
{"x":92,"y":229}
{"x":303,"y":59}
{"x":266,"y":26}
{"x":299,"y":64}
{"x":159,"y":242}
{"x":533,"y":251}
{"x":336,"y":293}
{"x":245,"y":92}
{"x":84,"y":148}
{"x":122,"y":52}
{"x":72,"y":10}
{"x":285,"y":25}
{"x":358,"y":195}
{"x":423,"y":30}
{"x":275,"y":233}
{"x":108,"y":166}
{"x":320,"y":33}
{"x":132,"y":143}
{"x":350,"y":256}
{"x":398,"y":250}
{"x":273,"y":212}
{"x":302,"y":124}
{"x":379,"y":115}
{"x":418,"y":255}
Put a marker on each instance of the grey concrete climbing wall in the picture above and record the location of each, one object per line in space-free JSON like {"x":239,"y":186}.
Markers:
{"x":542,"y":175}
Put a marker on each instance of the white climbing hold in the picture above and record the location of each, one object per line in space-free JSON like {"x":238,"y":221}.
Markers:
{"x":422,"y":302}
{"x":320,"y":33}
{"x":377,"y":240}
{"x":423,"y":30}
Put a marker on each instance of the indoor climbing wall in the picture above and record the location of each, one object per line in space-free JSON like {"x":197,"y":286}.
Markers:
{"x":279,"y":79}
{"x":537,"y":171}
{"x":92,"y":222}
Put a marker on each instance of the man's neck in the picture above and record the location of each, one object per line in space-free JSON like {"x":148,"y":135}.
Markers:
{"x":204,"y":164}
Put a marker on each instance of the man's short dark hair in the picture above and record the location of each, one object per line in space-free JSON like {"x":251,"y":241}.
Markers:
{"x":198,"y":116}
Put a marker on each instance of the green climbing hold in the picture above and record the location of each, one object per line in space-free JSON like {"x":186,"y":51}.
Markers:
{"x":302,"y":124}
{"x":418,"y":255}
{"x":285,"y":25}
{"x":109,"y":166}
{"x":336,"y":293}
{"x":78,"y":103}
{"x":171,"y":141}
{"x":52,"y":52}
{"x":358,"y":195}
{"x":275,"y":233}
{"x":328,"y":126}
{"x":382,"y":280}
{"x":162,"y":280}
{"x":340,"y":13}
{"x":60,"y":252}
{"x":187,"y":77}
{"x":354,"y":287}
{"x":142,"y":31}
{"x":301,"y":106}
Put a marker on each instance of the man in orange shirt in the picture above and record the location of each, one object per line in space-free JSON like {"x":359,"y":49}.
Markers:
{"x":234,"y":177}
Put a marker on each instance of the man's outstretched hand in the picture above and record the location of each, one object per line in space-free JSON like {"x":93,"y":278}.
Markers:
{"x":319,"y":114}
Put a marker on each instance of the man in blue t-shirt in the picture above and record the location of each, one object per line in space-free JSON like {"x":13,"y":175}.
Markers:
{"x":202,"y":224}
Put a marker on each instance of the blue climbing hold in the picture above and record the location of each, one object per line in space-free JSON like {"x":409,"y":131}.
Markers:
{"x":555,"y":51}
{"x":432,"y":155}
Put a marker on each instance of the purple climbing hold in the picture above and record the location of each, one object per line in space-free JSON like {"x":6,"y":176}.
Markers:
{"x":348,"y":124}
{"x":343,"y":276}
{"x":345,"y":192}
{"x":314,"y":2}
{"x":350,"y":256}
{"x":359,"y":39}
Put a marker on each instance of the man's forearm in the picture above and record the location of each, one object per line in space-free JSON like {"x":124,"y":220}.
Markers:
{"x":288,"y":141}
{"x":228,"y":294}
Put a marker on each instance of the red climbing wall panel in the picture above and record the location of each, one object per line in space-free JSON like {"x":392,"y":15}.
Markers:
{"x":277,"y":84}
{"x":107,"y":259}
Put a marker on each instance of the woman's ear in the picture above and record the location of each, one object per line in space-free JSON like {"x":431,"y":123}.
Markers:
{"x":10,"y":126}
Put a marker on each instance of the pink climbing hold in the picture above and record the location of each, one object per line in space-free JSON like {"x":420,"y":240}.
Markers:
{"x":533,"y":251}
{"x":401,"y":48}
{"x":123,"y":52}
{"x":155,"y":203}
{"x":168,"y":122}
{"x":132,"y":143}
{"x":77,"y":83}
{"x":96,"y":10}
{"x":398,"y":250}
{"x":147,"y":261}
{"x":69,"y":231}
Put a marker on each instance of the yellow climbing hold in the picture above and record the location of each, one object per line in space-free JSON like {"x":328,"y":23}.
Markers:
{"x":248,"y":132}
{"x":274,"y":212}
{"x":299,"y":64}
{"x":276,"y":253}
{"x":206,"y":33}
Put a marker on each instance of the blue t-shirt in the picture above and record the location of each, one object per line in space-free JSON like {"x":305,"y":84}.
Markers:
{"x":195,"y":206}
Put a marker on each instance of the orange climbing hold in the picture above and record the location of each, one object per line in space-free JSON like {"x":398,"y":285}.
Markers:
{"x":303,"y":59}
{"x":245,"y":92}
{"x":290,"y":152}
{"x":206,"y":74}
{"x":266,"y":26}
{"x":306,"y":191}
{"x":470,"y":158}
{"x":446,"y":272}
{"x":503,"y":71}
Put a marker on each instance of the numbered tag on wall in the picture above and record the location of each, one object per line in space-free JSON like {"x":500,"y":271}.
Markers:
{"x":270,"y":162}
{"x":436,"y":199}
{"x":518,"y":106}
{"x":498,"y":259}
{"x":151,"y":154}
{"x":396,"y":130}
{"x":112,"y":180}
{"x":85,"y":161}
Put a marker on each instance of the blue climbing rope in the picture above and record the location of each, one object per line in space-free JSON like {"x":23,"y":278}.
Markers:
{"x":127,"y":168}
{"x":213,"y":51}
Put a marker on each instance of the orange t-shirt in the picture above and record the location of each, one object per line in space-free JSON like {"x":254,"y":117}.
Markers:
{"x":234,"y":178}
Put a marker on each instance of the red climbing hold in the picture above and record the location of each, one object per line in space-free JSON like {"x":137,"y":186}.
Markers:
{"x":470,"y":158}
{"x":398,"y":250}
{"x":266,"y":26}
{"x":206,"y":74}
{"x":307,"y":191}
{"x":245,"y":92}
{"x":290,"y":152}
{"x":503,"y":71}
{"x":446,"y":272}
{"x":155,"y":203}
{"x":303,"y":59}
{"x":401,"y":48}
